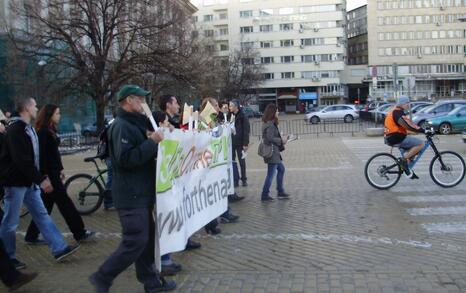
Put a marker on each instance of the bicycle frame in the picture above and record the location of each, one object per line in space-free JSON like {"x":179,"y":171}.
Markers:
{"x":100,"y":174}
{"x":427,"y":143}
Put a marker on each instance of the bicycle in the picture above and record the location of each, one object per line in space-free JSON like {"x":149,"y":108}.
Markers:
{"x":447,"y":168}
{"x":88,"y":191}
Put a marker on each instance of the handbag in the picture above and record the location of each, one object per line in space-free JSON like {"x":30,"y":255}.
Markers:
{"x":265,"y":150}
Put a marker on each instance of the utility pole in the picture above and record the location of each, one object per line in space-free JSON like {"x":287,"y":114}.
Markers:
{"x":395,"y":80}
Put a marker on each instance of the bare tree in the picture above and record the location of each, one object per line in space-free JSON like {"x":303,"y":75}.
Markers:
{"x":100,"y":44}
{"x":242,"y":72}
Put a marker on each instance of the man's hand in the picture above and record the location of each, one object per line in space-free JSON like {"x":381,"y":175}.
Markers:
{"x":46,"y":186}
{"x":284,"y":140}
{"x":2,"y":128}
{"x":156,"y":136}
{"x":245,"y":148}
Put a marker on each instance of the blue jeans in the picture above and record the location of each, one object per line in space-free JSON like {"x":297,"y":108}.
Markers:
{"x":14,"y":197}
{"x":268,"y":180}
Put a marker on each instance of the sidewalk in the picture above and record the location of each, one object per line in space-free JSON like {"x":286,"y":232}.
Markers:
{"x":335,"y":234}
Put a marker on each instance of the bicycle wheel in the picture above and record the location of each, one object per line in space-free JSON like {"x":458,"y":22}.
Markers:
{"x":382,"y":171}
{"x":447,"y":169}
{"x":86,"y":192}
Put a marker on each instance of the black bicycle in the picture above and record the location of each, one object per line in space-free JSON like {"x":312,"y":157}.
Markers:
{"x":446,"y":169}
{"x":87,"y":191}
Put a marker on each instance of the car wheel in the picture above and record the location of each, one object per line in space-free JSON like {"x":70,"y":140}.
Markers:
{"x":314,"y":120}
{"x":348,"y":118}
{"x":445,"y":128}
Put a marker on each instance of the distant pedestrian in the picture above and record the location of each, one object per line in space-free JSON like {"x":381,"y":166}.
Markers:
{"x":133,"y":155}
{"x":20,"y":175}
{"x":271,"y":136}
{"x":51,"y":166}
{"x":240,"y":138}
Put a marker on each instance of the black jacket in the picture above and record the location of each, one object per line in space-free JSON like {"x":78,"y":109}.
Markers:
{"x":17,"y":157}
{"x":241,"y":138}
{"x":50,"y":158}
{"x":133,"y":157}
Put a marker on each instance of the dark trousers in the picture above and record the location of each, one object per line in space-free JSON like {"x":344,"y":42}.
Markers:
{"x":237,"y":151}
{"x":137,"y":246}
{"x":66,"y":207}
{"x":8,"y":272}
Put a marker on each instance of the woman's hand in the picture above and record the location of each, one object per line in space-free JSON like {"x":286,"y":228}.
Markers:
{"x":62,"y":175}
{"x":284,"y":140}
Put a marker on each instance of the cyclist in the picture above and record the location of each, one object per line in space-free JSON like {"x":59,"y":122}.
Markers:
{"x":397,"y":125}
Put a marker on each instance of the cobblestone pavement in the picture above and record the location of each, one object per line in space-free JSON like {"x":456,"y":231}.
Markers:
{"x":336,"y":234}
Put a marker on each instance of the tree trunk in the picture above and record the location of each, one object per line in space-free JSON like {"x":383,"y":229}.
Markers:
{"x":100,"y":112}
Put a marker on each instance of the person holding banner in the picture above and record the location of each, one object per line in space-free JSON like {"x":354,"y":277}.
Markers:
{"x":133,"y":154}
{"x":240,"y":138}
{"x":271,"y":136}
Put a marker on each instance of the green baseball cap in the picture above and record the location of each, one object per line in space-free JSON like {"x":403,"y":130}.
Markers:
{"x":131,"y":89}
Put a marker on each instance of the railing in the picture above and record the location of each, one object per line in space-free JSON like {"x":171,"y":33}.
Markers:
{"x":74,"y":142}
{"x":304,"y":127}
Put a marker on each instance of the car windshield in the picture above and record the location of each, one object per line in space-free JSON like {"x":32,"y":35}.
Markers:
{"x":427,"y":109}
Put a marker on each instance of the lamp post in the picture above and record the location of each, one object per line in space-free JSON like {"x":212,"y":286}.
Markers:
{"x":40,"y":77}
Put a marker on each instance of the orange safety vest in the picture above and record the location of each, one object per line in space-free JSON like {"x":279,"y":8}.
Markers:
{"x":391,"y":126}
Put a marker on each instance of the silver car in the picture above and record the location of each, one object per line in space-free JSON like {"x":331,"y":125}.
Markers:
{"x":347,"y":113}
{"x":438,"y":109}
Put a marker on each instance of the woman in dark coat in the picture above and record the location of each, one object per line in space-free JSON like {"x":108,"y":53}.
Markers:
{"x":271,"y":136}
{"x":51,"y":166}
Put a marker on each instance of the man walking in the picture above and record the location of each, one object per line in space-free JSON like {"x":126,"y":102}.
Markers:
{"x":240,"y":141}
{"x":22,"y":182}
{"x":133,"y":189}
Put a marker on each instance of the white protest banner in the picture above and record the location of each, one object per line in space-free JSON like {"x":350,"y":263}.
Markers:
{"x":194,"y":178}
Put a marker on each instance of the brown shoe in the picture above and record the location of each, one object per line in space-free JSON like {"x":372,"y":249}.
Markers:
{"x":22,"y":280}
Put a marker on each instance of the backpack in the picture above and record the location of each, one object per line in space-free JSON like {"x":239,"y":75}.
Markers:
{"x":102,"y":147}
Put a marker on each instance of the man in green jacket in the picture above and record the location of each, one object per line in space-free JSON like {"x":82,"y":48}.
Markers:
{"x":133,"y":156}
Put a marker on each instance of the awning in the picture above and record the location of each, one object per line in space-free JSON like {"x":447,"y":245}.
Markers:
{"x":287,"y":97}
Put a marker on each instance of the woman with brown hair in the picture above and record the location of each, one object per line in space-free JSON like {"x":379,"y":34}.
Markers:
{"x":52,"y":167}
{"x":271,"y":136}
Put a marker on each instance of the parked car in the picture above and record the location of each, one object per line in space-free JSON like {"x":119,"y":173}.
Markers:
{"x":440,"y":108}
{"x":373,"y":105}
{"x":91,"y":130}
{"x":250,"y":112}
{"x":379,"y":113}
{"x":314,"y":109}
{"x":454,"y":121}
{"x":419,"y":106}
{"x":464,"y":135}
{"x":345,"y":112}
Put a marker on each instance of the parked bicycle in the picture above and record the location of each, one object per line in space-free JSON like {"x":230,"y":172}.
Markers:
{"x":447,"y":168}
{"x":87,"y":191}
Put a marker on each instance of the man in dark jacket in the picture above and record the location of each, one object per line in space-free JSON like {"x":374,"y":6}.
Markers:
{"x":240,"y":141}
{"x":22,"y":181}
{"x":133,"y":189}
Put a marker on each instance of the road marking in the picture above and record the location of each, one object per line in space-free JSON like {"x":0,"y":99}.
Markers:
{"x":344,"y":166}
{"x":453,"y":227}
{"x":433,"y":198}
{"x":437,"y":211}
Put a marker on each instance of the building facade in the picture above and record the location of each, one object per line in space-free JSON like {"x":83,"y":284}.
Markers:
{"x":301,"y":45}
{"x":417,"y":47}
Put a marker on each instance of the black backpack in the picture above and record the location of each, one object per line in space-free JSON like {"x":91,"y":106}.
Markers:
{"x":102,"y":147}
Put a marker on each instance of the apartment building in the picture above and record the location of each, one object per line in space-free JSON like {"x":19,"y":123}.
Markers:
{"x":417,"y":47}
{"x":301,"y":44}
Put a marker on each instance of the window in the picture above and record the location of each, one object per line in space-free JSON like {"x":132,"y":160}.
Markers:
{"x":266,"y":28}
{"x":317,"y":8}
{"x":308,"y":58}
{"x":223,"y":47}
{"x":245,"y":13}
{"x":223,"y":15}
{"x":285,"y":10}
{"x":267,"y":44}
{"x":287,"y":75}
{"x":268,"y":75}
{"x":246,"y":29}
{"x":209,"y":33}
{"x":287,"y":59}
{"x":312,"y":41}
{"x":286,"y":27}
{"x":223,"y":31}
{"x":286,"y":43}
{"x":266,"y":12}
{"x":208,"y":17}
{"x":194,"y":18}
{"x":247,"y":45}
{"x":266,"y":60}
{"x":248,"y":61}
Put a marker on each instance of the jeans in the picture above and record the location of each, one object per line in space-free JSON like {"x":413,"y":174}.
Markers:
{"x":65,"y":206}
{"x":14,"y":197}
{"x":269,"y":178}
{"x":137,"y":246}
{"x":108,"y":200}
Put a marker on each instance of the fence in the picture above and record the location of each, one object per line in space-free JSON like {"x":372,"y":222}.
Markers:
{"x":304,"y":127}
{"x":74,"y":142}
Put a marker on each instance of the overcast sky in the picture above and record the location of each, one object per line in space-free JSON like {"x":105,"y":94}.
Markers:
{"x":351,"y":4}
